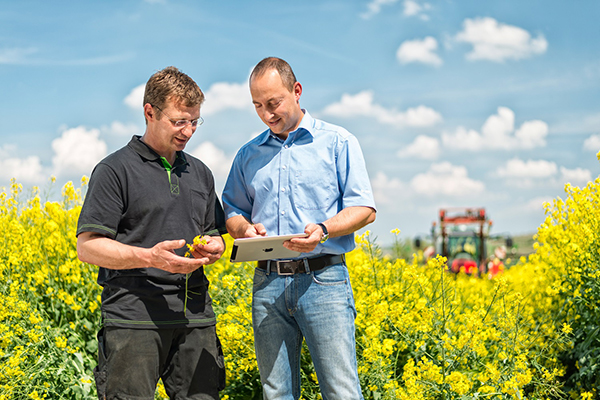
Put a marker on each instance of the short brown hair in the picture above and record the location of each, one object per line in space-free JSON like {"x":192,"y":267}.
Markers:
{"x":172,"y":84}
{"x":283,"y":68}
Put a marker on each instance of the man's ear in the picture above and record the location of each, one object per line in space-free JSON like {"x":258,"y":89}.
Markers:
{"x":149,"y":112}
{"x":297,"y":91}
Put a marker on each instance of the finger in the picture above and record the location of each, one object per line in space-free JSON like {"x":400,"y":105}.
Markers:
{"x":311,"y":228}
{"x":210,"y":246}
{"x":186,"y":266}
{"x":211,"y":239}
{"x":172,"y":244}
{"x":260,"y":229}
{"x":194,"y":263}
{"x":208,"y":250}
{"x":301,"y":249}
{"x":198,"y":254}
{"x":208,"y":259}
{"x":250,"y":232}
{"x":306,"y":240}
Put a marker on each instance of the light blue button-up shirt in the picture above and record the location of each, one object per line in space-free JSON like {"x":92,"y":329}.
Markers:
{"x":310,"y":177}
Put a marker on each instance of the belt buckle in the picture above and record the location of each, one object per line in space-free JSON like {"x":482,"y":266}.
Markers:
{"x":279,"y":272}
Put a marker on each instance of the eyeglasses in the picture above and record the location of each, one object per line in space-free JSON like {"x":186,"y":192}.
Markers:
{"x":182,"y":123}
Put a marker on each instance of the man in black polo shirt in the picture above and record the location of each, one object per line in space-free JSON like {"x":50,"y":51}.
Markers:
{"x":144,"y":203}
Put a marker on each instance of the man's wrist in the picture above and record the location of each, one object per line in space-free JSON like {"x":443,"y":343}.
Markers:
{"x":325,"y":235}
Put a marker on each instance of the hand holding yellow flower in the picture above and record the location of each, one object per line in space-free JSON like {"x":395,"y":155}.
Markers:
{"x":199,"y":240}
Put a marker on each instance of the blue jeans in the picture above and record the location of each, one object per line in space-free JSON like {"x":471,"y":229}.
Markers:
{"x":318,"y":307}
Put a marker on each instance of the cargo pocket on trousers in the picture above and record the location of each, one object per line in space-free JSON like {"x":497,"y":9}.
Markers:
{"x":100,"y":370}
{"x":221,"y":365}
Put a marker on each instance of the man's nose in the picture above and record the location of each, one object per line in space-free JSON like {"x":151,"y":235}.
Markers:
{"x":188,"y":130}
{"x":267,"y":115}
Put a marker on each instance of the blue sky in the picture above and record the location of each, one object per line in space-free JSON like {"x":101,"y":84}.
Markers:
{"x":455,"y":103}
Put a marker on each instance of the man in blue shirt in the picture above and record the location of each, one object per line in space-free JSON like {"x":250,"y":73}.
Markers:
{"x":300,"y":175}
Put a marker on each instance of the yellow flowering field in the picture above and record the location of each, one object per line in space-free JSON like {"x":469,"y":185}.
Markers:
{"x":49,"y":309}
{"x":422,"y":333}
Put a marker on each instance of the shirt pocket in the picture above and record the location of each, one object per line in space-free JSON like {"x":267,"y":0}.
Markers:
{"x":314,"y":189}
{"x":199,"y":205}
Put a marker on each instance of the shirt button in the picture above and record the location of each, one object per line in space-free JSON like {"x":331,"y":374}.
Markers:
{"x":283,"y":189}
{"x":283,"y":167}
{"x":283,"y":213}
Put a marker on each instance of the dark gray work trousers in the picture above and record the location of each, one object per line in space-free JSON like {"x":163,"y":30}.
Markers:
{"x":131,"y":361}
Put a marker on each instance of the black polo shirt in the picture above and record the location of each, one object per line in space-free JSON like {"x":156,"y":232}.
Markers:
{"x":137,"y":198}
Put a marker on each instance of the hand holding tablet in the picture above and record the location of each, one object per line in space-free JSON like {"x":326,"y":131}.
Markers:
{"x":263,"y":248}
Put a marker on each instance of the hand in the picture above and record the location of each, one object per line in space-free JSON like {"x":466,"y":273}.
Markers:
{"x":213,"y":249}
{"x":307,"y":244}
{"x":254,"y":230}
{"x":162,"y":256}
{"x":240,"y":227}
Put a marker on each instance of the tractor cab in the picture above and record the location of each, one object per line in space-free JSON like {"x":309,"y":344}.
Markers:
{"x":461,"y":238}
{"x":464,"y":252}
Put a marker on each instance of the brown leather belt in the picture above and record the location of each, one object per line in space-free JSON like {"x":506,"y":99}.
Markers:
{"x":291,"y":267}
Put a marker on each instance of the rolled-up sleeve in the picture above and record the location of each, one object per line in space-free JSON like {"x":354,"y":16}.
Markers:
{"x":103,"y":205}
{"x":352,"y":174}
{"x":236,"y":198}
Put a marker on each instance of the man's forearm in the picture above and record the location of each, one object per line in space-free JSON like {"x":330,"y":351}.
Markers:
{"x":346,"y":222}
{"x":108,"y":253}
{"x":349,"y":220}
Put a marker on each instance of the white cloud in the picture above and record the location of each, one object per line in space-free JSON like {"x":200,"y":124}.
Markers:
{"x":531,"y":134}
{"x":25,"y":170}
{"x":537,"y":203}
{"x":77,"y":151}
{"x":448,"y":180}
{"x":7,"y":150}
{"x":575,"y":176}
{"x":516,"y":168}
{"x":216,"y":159}
{"x":135,"y":98}
{"x":416,"y":116}
{"x":218,"y":97}
{"x":374,"y":7}
{"x":386,"y":190}
{"x":463,"y":139}
{"x":16,"y":55}
{"x":497,"y":128}
{"x":532,"y":173}
{"x":413,"y":8}
{"x":362,"y":104}
{"x":223,"y":95}
{"x":592,"y":143}
{"x":26,"y":56}
{"x":121,"y":129}
{"x":424,"y":147}
{"x":498,"y":132}
{"x":498,"y":42}
{"x":422,"y":51}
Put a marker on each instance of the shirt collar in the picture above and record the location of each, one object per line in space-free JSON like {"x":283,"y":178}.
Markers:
{"x":307,"y":123}
{"x":146,"y":152}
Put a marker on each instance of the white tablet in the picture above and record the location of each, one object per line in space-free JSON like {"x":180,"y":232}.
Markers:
{"x":263,"y":248}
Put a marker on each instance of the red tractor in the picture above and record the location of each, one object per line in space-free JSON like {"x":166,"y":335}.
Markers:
{"x":462,"y":238}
